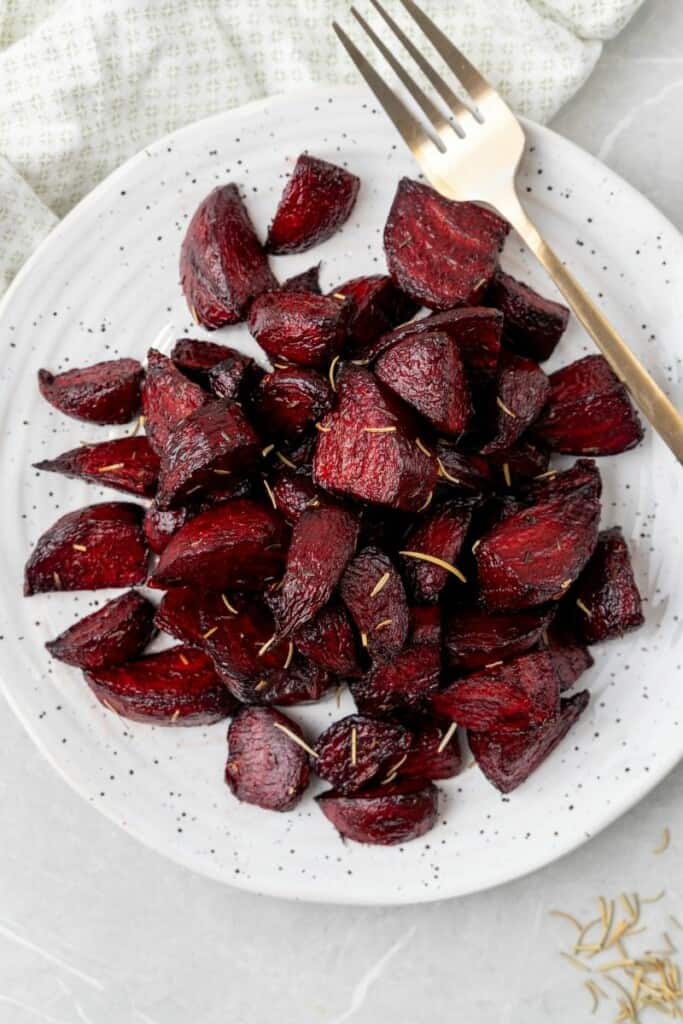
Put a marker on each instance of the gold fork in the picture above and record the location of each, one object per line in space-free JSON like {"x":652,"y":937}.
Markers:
{"x":476,"y":158}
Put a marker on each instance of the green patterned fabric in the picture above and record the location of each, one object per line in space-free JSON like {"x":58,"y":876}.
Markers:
{"x":86,"y":83}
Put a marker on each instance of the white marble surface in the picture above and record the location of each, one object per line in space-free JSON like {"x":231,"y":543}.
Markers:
{"x":95,"y":929}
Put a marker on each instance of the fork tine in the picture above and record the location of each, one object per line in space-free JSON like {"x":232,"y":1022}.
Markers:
{"x":437,"y":119}
{"x":410,"y":129}
{"x":474,"y":82}
{"x":457,"y":107}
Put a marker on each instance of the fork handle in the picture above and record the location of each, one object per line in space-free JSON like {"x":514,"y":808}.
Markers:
{"x":646,"y":393}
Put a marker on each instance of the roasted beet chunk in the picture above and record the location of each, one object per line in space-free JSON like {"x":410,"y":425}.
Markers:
{"x":104,"y":393}
{"x":440,"y":252}
{"x":210,"y":444}
{"x":475,"y":330}
{"x":404,"y":684}
{"x":233,"y":376}
{"x":304,"y":328}
{"x":535,"y":555}
{"x":514,"y":695}
{"x":265,"y":765}
{"x":95,"y":547}
{"x":356,"y":749}
{"x":427,"y":371}
{"x":474,"y":638}
{"x":384,"y":815}
{"x":373,"y":591}
{"x":570,"y":662}
{"x":527,"y":458}
{"x":179,"y":615}
{"x":434,"y":752}
{"x":175,"y":687}
{"x":306,"y":281}
{"x":294,"y":492}
{"x":610,"y":603}
{"x":323,"y":541}
{"x":240,"y":545}
{"x":377,"y":305}
{"x":159,"y":525}
{"x":508,"y":759}
{"x":222,"y":264}
{"x":425,"y":624}
{"x":523,"y":390}
{"x":468,"y":473}
{"x":116,"y":632}
{"x":195,"y":358}
{"x":127,"y":464}
{"x":317,"y":200}
{"x":583,"y":476}
{"x":329,"y":641}
{"x":367,"y":450}
{"x":589,"y":411}
{"x":167,"y":397}
{"x":439,"y":535}
{"x":533,"y":325}
{"x":288,"y":402}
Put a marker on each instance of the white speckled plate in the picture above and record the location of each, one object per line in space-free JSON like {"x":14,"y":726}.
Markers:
{"x":105,"y":284}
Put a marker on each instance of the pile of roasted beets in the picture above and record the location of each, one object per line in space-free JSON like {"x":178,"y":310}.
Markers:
{"x":376,"y":511}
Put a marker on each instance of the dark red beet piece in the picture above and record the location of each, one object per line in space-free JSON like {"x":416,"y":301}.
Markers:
{"x":317,"y":200}
{"x":440,"y":535}
{"x":126,"y":464}
{"x":367,"y":448}
{"x":116,"y":632}
{"x":476,"y":331}
{"x":523,"y":390}
{"x":427,"y":371}
{"x":294,"y":492}
{"x":425,"y":624}
{"x":167,"y":397}
{"x":475,"y":638}
{"x":589,"y":411}
{"x":265,"y":765}
{"x":513,"y":695}
{"x":384,"y":815}
{"x":92,"y":548}
{"x":230,"y":377}
{"x":159,"y":525}
{"x":508,"y":759}
{"x":533,"y":325}
{"x":404,"y":684}
{"x":433,"y":754}
{"x":178,"y":614}
{"x":107,"y":392}
{"x":287,"y":403}
{"x":223,"y":266}
{"x":608,"y":590}
{"x":356,"y":749}
{"x":323,"y":541}
{"x":215,"y":441}
{"x":570,"y":662}
{"x":302,"y":683}
{"x":329,"y":641}
{"x":300,"y":327}
{"x":534,"y":555}
{"x":468,"y":473}
{"x":583,"y":476}
{"x":373,"y":592}
{"x":238,"y":545}
{"x":306,"y":281}
{"x":440,"y":252}
{"x":174,"y":687}
{"x":377,"y":306}
{"x":195,"y":358}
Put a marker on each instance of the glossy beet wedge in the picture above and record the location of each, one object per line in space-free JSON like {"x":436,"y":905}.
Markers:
{"x":367,"y":447}
{"x":441,"y":252}
{"x":355,"y":750}
{"x":323,"y":541}
{"x":377,"y":305}
{"x":522,"y":391}
{"x":195,"y":358}
{"x":300,"y":327}
{"x":288,"y":402}
{"x":432,"y":548}
{"x":426,"y":370}
{"x":174,"y":687}
{"x":128,"y":464}
{"x":476,"y":330}
{"x":105,"y":393}
{"x":95,"y":547}
{"x":116,"y":632}
{"x":232,"y":377}
{"x":294,"y":492}
{"x":533,"y":325}
{"x":406,"y":683}
{"x":167,"y":398}
{"x":223,"y":266}
{"x":329,"y":641}
{"x":317,"y":200}
{"x":508,"y":759}
{"x":474,"y":638}
{"x":238,"y":545}
{"x":589,"y":411}
{"x":606,"y":598}
{"x":266,"y":765}
{"x":383,"y":815}
{"x":178,"y":614}
{"x":434,"y":751}
{"x":373,"y":591}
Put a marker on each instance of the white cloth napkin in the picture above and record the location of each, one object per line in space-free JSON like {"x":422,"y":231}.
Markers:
{"x":84,"y":84}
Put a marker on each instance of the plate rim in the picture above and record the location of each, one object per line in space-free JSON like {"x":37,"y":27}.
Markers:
{"x":320,"y":894}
